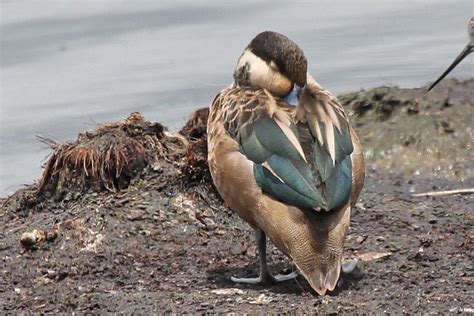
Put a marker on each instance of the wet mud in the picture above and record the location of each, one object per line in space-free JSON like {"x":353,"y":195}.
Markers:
{"x":156,"y":237}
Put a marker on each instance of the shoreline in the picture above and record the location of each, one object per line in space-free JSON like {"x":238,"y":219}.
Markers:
{"x":157,"y":238}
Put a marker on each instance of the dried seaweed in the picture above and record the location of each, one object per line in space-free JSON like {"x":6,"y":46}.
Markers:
{"x":194,"y":165}
{"x":109,"y":157}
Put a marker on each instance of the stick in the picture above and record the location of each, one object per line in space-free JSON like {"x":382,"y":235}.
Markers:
{"x":445,"y":193}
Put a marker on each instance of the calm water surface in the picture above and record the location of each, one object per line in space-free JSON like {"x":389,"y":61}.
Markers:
{"x":67,"y":65}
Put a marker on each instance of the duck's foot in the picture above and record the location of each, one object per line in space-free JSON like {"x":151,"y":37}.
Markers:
{"x":267,"y":279}
{"x":350,"y":266}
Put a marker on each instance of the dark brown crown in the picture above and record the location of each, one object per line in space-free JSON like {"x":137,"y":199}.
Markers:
{"x":287,"y":56}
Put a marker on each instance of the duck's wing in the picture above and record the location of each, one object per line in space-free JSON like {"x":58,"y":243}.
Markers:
{"x":268,"y":136}
{"x":326,"y":138}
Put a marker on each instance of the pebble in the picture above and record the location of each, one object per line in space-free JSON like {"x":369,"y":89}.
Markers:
{"x":30,"y":240}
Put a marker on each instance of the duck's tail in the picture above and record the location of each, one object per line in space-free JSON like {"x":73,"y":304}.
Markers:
{"x":322,"y":277}
{"x":319,"y":258}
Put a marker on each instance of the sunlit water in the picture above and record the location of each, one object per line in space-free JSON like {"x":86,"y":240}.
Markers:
{"x":66,"y":65}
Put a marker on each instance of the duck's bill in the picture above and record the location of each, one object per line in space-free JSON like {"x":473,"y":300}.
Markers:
{"x":466,"y":51}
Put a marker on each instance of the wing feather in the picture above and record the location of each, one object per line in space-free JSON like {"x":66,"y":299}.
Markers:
{"x":331,"y":144}
{"x":313,"y":171}
{"x":268,"y":137}
{"x":291,"y":137}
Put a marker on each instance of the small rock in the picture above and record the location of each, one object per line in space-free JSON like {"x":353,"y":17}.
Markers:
{"x":135,"y":215}
{"x":31,"y":240}
{"x":446,"y":104}
{"x":447,"y":128}
{"x":261,"y":300}
{"x":52,"y":235}
{"x":350,"y":266}
{"x":231,"y":291}
{"x":237,"y":249}
{"x":361,"y":239}
{"x":174,"y":265}
{"x":251,"y":251}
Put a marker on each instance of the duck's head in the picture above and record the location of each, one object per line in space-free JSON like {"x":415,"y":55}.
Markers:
{"x":273,"y":62}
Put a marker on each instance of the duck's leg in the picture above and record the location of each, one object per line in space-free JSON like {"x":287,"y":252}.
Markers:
{"x":265,"y":277}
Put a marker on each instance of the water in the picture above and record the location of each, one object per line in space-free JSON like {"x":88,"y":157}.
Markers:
{"x":66,"y":65}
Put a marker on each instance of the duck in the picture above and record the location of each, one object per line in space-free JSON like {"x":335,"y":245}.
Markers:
{"x":282,"y":154}
{"x":469,"y":48}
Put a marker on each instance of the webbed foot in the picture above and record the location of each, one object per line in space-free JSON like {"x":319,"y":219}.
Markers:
{"x":266,"y":279}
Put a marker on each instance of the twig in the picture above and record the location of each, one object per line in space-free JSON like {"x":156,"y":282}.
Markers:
{"x":446,"y":192}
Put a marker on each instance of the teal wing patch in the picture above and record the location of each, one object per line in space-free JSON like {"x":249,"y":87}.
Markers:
{"x":279,"y":169}
{"x":339,"y":185}
{"x":335,"y":176}
{"x":343,"y":140}
{"x":264,"y":137}
{"x":320,"y":181}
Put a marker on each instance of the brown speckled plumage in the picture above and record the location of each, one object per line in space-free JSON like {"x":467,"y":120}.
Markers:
{"x":313,"y":239}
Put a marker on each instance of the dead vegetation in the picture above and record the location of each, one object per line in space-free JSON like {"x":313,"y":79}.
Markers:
{"x":108,"y":158}
{"x":194,"y":165}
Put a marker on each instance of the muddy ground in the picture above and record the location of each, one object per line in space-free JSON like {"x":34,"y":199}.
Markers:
{"x":166,"y":243}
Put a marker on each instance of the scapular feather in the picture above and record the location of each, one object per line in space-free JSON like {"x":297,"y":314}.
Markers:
{"x":274,"y":140}
{"x":276,"y":188}
{"x":323,"y":162}
{"x":298,"y":176}
{"x":251,"y":145}
{"x":339,"y":185}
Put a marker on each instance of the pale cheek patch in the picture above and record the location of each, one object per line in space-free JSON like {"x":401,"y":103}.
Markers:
{"x":263,"y":75}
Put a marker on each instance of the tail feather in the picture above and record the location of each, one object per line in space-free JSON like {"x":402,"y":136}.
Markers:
{"x":332,"y":276}
{"x":322,"y":278}
{"x":319,"y":258}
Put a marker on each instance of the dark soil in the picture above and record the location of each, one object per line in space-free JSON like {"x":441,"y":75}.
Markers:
{"x":166,"y":243}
